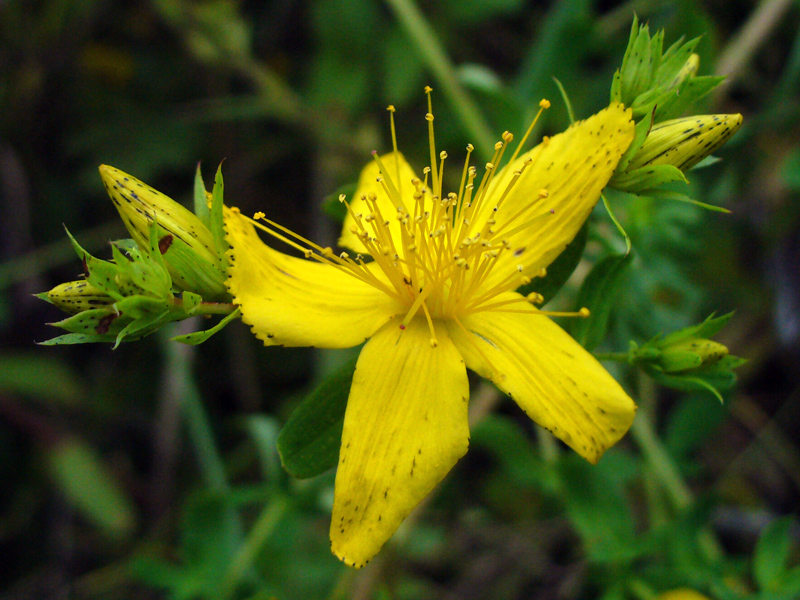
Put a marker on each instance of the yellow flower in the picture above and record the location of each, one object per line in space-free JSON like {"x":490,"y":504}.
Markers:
{"x":436,"y":298}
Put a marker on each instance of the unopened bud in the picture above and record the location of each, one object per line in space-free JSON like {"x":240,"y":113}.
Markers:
{"x":77,"y":296}
{"x":691,"y":354}
{"x":187,"y":245}
{"x":685,"y":142}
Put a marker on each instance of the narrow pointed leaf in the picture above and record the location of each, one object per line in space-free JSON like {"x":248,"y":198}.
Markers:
{"x":599,"y":294}
{"x":309,"y":442}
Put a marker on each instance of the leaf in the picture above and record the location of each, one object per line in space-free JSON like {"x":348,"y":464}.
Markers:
{"x":771,"y":554}
{"x":309,"y":442}
{"x":40,"y":377}
{"x":88,"y":486}
{"x":560,"y":269}
{"x":598,"y":293}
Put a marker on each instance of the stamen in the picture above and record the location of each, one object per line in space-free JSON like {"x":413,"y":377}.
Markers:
{"x":543,"y":105}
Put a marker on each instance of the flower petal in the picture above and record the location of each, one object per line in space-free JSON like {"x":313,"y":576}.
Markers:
{"x":404,"y":429}
{"x":297,"y":302}
{"x":400,"y":174}
{"x":552,"y":378}
{"x":574,"y":167}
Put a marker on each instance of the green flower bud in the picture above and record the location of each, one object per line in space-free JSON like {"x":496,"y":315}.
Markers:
{"x":685,"y":142}
{"x":691,"y":354}
{"x":186,"y":244}
{"x":77,"y":296}
{"x":688,"y":360}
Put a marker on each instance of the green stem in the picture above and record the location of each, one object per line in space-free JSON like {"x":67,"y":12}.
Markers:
{"x":613,"y":356}
{"x":433,"y":53}
{"x":657,"y":457}
{"x":264,"y":526}
{"x":182,"y":384}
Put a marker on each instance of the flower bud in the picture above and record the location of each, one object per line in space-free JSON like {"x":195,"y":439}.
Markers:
{"x":187,"y":245}
{"x":682,"y":594}
{"x":685,"y":142}
{"x":77,"y":296}
{"x":691,"y":354}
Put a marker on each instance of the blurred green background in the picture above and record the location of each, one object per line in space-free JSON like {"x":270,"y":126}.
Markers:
{"x":150,"y":471}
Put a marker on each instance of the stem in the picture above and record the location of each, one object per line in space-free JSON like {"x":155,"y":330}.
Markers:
{"x":264,"y":526}
{"x":433,"y":53}
{"x":655,"y":454}
{"x":613,"y":356}
{"x":181,"y":383}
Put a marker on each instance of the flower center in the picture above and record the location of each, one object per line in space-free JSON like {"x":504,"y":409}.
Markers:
{"x":436,"y":251}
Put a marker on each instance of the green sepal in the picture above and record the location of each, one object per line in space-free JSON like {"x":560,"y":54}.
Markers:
{"x":671,"y":195}
{"x":560,"y":270}
{"x":309,"y":442}
{"x":644,"y":179}
{"x":193,"y":272}
{"x":706,"y":329}
{"x":598,"y":293}
{"x":689,"y":92}
{"x":200,"y":197}
{"x":69,"y":339}
{"x":198,"y":337}
{"x":100,"y":274}
{"x":640,"y":134}
{"x":216,"y":224}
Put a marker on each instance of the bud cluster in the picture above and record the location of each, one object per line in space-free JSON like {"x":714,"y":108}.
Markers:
{"x":172,"y":268}
{"x":688,"y":360}
{"x":658,"y":86}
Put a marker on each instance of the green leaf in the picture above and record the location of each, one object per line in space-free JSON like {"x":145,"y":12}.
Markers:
{"x":560,"y":269}
{"x":309,"y":442}
{"x":598,"y":293}
{"x":88,"y":486}
{"x":41,"y":377}
{"x":771,"y":554}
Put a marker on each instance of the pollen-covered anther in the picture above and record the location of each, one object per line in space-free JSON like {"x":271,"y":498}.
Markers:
{"x":308,"y":253}
{"x":434,"y":342}
{"x":507,"y":137}
{"x":525,"y":280}
{"x":470,"y":147}
{"x":327,"y":252}
{"x":544,"y":103}
{"x":443,"y":154}
{"x":344,"y":255}
{"x":584,"y":312}
{"x":541,"y":273}
{"x":259,"y":215}
{"x":490,"y":166}
{"x":535,"y":298}
{"x":390,"y":108}
{"x":342,"y":197}
{"x":429,"y":117}
{"x":543,"y":193}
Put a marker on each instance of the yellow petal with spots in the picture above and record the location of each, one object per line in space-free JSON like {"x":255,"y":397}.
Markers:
{"x":296,"y":302}
{"x":401,"y":175}
{"x":550,"y":376}
{"x":404,"y":429}
{"x":558,"y":188}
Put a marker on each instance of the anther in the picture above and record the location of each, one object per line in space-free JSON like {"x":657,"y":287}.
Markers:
{"x":544,"y":103}
{"x":584,"y":312}
{"x":259,"y":215}
{"x":342,"y":197}
{"x":390,"y":108}
{"x":543,"y":193}
{"x":429,"y":117}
